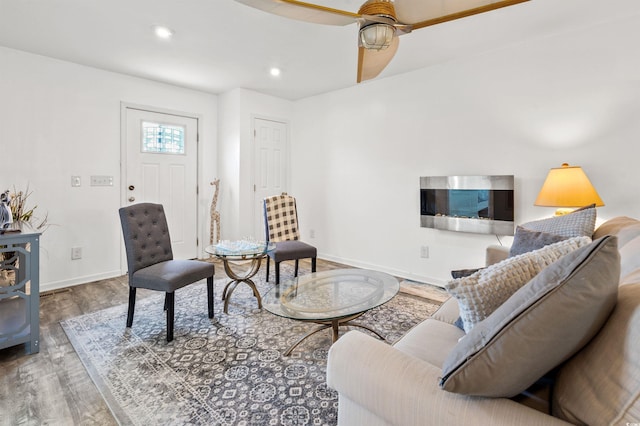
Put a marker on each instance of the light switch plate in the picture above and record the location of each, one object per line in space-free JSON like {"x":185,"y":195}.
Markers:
{"x":101,"y":180}
{"x":75,"y":181}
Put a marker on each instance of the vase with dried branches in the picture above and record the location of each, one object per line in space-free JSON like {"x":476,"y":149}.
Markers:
{"x":21,"y":212}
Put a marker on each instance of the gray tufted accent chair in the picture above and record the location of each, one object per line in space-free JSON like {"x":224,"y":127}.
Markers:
{"x":150,"y":260}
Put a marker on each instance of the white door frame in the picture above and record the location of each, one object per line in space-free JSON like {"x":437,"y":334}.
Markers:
{"x":287,"y":166}
{"x":123,"y":168}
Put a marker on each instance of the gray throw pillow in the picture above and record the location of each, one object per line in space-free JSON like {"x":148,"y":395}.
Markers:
{"x":526,"y":240}
{"x":581,"y":222}
{"x":461,"y":273}
{"x":542,"y":325}
{"x":481,"y":293}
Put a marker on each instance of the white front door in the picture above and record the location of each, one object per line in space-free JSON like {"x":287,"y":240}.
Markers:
{"x":271,"y":160}
{"x":161,"y":166}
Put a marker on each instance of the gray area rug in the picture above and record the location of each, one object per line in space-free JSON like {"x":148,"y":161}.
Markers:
{"x":228,"y":370}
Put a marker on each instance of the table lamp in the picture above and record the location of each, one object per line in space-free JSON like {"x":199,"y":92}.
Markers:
{"x":567,"y":187}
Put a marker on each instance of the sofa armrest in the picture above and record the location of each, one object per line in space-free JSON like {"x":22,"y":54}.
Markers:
{"x":496,"y":253}
{"x":448,"y":312}
{"x":403,"y":390}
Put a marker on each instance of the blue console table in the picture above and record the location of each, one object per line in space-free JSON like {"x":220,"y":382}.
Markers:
{"x":20,"y":288}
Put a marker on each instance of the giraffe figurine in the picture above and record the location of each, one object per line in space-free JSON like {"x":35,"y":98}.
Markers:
{"x":215,"y":215}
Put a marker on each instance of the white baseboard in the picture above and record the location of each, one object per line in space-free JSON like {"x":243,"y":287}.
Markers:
{"x":395,"y":272}
{"x":55,"y":285}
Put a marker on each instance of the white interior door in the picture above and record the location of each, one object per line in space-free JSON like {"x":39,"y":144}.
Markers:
{"x":271,"y":160}
{"x":161,"y":167}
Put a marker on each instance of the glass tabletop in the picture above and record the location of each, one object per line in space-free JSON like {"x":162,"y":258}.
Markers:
{"x":331,"y":294}
{"x":241,"y":249}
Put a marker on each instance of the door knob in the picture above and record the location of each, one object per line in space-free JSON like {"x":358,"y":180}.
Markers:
{"x":132,"y":199}
{"x":131,"y":187}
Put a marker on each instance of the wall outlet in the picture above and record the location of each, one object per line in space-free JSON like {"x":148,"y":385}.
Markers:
{"x":76,"y":253}
{"x":312,"y":233}
{"x":424,"y":252}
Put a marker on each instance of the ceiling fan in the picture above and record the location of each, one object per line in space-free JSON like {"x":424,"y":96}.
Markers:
{"x":381,"y":22}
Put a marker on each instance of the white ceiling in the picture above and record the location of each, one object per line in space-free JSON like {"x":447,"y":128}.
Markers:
{"x":220,"y":45}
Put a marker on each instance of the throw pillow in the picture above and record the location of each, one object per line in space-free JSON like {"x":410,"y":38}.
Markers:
{"x":581,"y":222}
{"x":459,"y":324}
{"x":525,"y":241}
{"x":461,"y":273}
{"x":481,"y":293}
{"x":543,"y":324}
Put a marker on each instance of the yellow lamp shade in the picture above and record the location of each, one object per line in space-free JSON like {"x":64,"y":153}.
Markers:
{"x":568,"y":186}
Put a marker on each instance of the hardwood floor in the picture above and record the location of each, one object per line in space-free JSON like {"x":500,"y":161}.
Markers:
{"x":52,"y":387}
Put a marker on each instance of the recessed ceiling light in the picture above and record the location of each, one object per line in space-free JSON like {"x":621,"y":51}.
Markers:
{"x":275,"y":72}
{"x":162,"y":32}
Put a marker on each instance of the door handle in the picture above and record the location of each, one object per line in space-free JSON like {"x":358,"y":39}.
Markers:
{"x":131,"y":187}
{"x":132,"y":199}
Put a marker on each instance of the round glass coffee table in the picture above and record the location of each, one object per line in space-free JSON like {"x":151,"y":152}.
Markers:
{"x":240,"y":251}
{"x":331,"y":298}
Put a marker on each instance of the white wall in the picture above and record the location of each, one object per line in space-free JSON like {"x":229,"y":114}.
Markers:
{"x":238,"y":108}
{"x":229,"y":132}
{"x":59,"y":119}
{"x":357,"y":154}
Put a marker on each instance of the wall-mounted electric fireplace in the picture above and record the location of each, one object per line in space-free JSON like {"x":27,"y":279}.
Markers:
{"x":480,"y":204}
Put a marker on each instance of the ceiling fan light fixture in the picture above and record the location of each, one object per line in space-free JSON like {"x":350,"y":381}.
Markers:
{"x":377,"y":36}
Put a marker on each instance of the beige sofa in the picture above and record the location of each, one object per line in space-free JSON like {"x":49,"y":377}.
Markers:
{"x":380,"y":384}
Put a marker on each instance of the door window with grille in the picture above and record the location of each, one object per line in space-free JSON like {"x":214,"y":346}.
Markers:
{"x":162,"y":138}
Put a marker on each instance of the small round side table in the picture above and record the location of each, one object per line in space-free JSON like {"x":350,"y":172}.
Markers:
{"x":238,"y":251}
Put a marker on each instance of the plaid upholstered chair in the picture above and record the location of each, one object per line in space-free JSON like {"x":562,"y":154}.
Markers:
{"x":150,"y":260}
{"x":281,"y":226}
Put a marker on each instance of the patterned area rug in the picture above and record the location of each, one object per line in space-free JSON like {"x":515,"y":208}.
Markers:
{"x":228,"y":370}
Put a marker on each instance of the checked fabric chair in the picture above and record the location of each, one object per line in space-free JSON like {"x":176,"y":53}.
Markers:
{"x":281,"y":227}
{"x":150,"y":260}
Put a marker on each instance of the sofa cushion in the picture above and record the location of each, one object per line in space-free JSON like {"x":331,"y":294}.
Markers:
{"x":625,"y":228}
{"x":526,"y":240}
{"x":580,"y":222}
{"x":481,"y":293}
{"x":628,"y":232}
{"x":543,"y":324}
{"x":601,"y":384}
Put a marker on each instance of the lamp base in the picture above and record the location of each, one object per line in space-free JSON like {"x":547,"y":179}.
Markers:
{"x":564,"y":210}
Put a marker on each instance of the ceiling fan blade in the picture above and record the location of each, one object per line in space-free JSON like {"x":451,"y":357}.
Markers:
{"x":422,"y":14}
{"x":304,"y":11}
{"x":372,"y":62}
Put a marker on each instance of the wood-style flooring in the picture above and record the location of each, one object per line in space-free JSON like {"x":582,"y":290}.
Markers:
{"x":52,"y":387}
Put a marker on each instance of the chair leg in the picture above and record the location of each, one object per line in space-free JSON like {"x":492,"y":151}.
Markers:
{"x":313,"y":264}
{"x":132,"y":305}
{"x":268,"y":263}
{"x":170,"y":302}
{"x":210,"y":295}
{"x":295,"y":269}
{"x":277,"y":273}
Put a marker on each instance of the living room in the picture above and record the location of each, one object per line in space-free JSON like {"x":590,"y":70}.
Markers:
{"x":356,"y":154}
{"x":569,"y":94}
